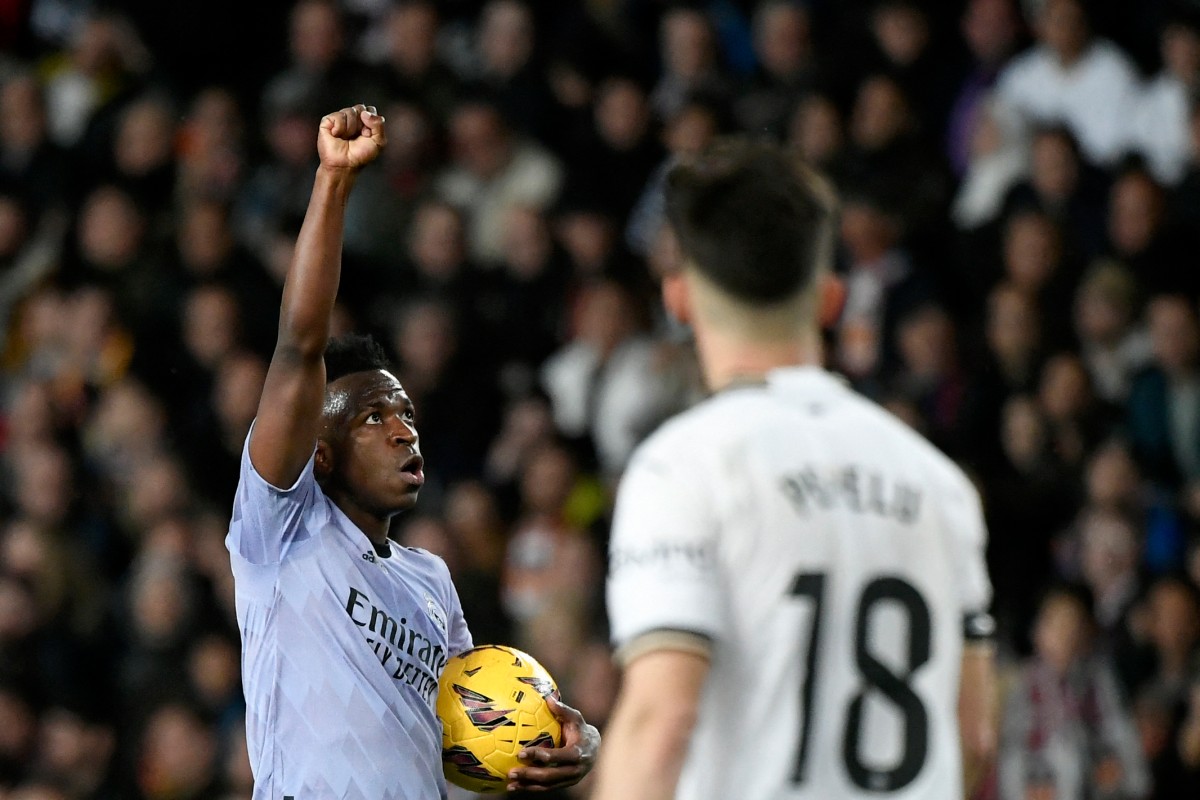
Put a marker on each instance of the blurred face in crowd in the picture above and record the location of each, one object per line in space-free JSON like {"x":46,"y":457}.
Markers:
{"x":1103,"y":308}
{"x":110,"y":229}
{"x":867,"y":232}
{"x":1023,"y":432}
{"x":880,"y":115}
{"x":1174,"y":337}
{"x":22,"y":115}
{"x":815,"y":131}
{"x":480,"y":140}
{"x":606,"y":317}
{"x":128,"y":422}
{"x":1013,"y":327}
{"x":527,"y":243}
{"x":505,"y":37}
{"x":1174,"y":619}
{"x":990,"y":29}
{"x":289,"y":132}
{"x":160,"y":602}
{"x":18,"y":724}
{"x":1062,"y":26}
{"x":436,"y":241}
{"x":213,"y":670}
{"x":690,"y":130}
{"x":1112,"y":477}
{"x":1109,"y":550}
{"x":547,"y":480}
{"x":235,"y":395}
{"x":622,"y":114}
{"x":426,"y":340}
{"x":412,"y":37}
{"x":687,"y":44}
{"x":145,"y":138}
{"x":782,"y":39}
{"x":1055,"y":167}
{"x":157,"y":489}
{"x":1135,"y":213}
{"x":1062,"y":631}
{"x":178,"y":754}
{"x":14,"y":227}
{"x":901,"y":31}
{"x":211,"y":322}
{"x":926,"y":341}
{"x":72,"y":747}
{"x":204,"y":237}
{"x":588,"y":237}
{"x":410,"y":136}
{"x":315,"y":34}
{"x":1065,"y":389}
{"x":1181,"y":52}
{"x":472,"y":513}
{"x":44,"y":484}
{"x":1031,"y":251}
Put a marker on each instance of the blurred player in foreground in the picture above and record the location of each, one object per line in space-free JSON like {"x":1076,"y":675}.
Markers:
{"x":344,"y":635}
{"x":792,"y":570}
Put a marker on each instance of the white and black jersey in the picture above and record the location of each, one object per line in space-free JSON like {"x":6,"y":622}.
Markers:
{"x":829,"y":557}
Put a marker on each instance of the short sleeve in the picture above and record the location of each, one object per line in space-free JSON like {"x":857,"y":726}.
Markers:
{"x":458,"y":636}
{"x":968,"y":542}
{"x":663,"y":560}
{"x":266,"y":520}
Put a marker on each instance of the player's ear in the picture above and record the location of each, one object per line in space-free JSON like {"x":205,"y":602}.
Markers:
{"x":832,"y":299}
{"x":323,"y":461}
{"x":676,"y":297}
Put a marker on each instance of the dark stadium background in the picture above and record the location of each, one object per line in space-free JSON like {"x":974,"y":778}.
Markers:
{"x":1022,"y":292}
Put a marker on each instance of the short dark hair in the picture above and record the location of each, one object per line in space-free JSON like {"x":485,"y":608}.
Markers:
{"x":353,"y":352}
{"x":751,"y":218}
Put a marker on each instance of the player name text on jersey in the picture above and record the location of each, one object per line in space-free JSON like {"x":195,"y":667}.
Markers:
{"x":852,"y":488}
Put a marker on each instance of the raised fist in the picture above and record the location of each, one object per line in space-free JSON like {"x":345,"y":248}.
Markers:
{"x":351,"y":138}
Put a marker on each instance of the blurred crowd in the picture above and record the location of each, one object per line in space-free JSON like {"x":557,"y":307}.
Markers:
{"x":1020,"y":189}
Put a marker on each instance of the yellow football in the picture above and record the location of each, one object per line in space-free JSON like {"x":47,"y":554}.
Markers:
{"x":492,"y":703}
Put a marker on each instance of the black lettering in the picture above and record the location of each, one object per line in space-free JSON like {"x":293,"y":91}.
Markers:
{"x":387,"y":625}
{"x":850,"y":480}
{"x":353,"y":602}
{"x":795,"y":493}
{"x":875,"y":502}
{"x":425,"y":652}
{"x":814,"y":489}
{"x":413,"y":636}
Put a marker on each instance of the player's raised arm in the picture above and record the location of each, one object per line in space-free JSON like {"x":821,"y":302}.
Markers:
{"x":289,"y":411}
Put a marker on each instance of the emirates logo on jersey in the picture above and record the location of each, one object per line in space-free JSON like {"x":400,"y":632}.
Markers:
{"x":481,"y":709}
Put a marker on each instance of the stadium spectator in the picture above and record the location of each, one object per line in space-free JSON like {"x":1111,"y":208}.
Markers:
{"x":1073,"y":77}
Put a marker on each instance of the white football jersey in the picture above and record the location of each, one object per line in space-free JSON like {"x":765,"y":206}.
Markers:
{"x":830,"y":555}
{"x":342,"y":649}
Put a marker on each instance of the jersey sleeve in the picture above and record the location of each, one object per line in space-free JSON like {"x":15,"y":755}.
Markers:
{"x":458,"y":635}
{"x":663,"y":563}
{"x":968,"y":541}
{"x":266,"y":520}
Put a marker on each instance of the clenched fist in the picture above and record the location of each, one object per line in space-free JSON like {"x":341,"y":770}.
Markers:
{"x":351,"y":138}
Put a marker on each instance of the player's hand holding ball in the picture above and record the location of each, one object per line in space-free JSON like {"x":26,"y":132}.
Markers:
{"x":351,"y":138}
{"x":504,"y":728}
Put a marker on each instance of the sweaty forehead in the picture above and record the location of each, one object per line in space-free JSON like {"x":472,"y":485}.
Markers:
{"x":350,"y":393}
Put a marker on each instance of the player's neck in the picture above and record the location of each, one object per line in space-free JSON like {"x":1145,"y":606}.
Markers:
{"x":727,"y":360}
{"x":375,"y":528}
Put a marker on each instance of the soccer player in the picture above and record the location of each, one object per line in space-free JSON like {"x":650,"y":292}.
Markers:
{"x":345,"y":635}
{"x":793,"y":571}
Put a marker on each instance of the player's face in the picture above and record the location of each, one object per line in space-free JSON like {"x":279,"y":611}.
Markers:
{"x":374,"y":454}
